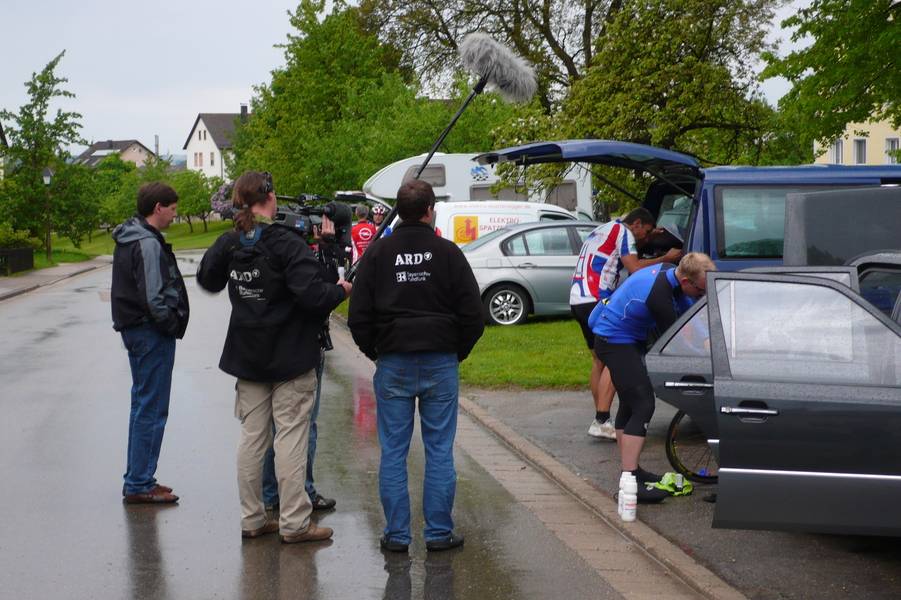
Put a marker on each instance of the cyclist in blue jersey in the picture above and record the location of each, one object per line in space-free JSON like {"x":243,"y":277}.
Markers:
{"x":651,"y":297}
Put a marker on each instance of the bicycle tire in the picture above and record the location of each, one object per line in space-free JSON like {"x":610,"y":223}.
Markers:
{"x":688,"y":451}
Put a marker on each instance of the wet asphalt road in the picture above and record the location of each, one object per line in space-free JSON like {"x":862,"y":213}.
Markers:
{"x":64,"y":532}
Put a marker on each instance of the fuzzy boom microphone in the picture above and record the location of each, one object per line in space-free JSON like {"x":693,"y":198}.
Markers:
{"x":497,"y":67}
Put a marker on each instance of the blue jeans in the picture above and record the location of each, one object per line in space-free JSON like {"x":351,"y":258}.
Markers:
{"x":151,"y":356}
{"x":270,"y":482}
{"x":399,"y":380}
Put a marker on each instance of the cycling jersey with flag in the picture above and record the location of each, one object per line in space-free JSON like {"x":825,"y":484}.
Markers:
{"x":598,"y":267}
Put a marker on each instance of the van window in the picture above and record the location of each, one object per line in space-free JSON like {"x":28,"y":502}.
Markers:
{"x":433,"y":174}
{"x":675,"y":210}
{"x":751,"y":221}
{"x":564,"y":195}
{"x":549,"y":216}
{"x":483,"y":192}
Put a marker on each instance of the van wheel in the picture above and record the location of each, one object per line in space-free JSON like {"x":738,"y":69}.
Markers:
{"x":506,"y":304}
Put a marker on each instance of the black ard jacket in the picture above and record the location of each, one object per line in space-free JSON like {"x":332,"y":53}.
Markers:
{"x":415,"y":292}
{"x":280,"y":299}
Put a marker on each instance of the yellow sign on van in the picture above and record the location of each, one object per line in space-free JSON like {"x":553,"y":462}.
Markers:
{"x":466,"y":228}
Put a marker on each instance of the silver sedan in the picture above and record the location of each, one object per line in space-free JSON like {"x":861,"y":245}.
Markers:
{"x":527,"y":269}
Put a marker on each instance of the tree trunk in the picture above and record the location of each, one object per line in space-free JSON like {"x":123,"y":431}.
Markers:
{"x":190,"y":226}
{"x":204,"y":219}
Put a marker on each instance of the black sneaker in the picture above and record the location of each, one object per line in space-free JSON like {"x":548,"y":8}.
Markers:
{"x":651,"y":495}
{"x":320,"y":502}
{"x":642,"y":476}
{"x":454,"y":541}
{"x":388,"y":545}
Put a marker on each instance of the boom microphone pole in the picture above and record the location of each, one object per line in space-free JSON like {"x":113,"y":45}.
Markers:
{"x":499,"y":69}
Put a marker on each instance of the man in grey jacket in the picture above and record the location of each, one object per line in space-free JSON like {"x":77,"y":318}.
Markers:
{"x":150,"y":310}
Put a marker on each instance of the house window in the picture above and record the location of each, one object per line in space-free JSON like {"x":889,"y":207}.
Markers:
{"x":200,"y":159}
{"x":836,"y":151}
{"x":195,"y":159}
{"x":891,"y":145}
{"x":199,"y":135}
{"x":212,"y":158}
{"x":860,"y":152}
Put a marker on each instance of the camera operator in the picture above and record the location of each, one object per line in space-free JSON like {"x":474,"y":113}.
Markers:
{"x":280,"y":299}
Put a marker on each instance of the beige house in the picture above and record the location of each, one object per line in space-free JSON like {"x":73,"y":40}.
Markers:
{"x":862,"y":144}
{"x":131,"y":151}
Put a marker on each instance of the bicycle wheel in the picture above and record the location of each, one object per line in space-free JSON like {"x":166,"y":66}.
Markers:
{"x":688,"y":451}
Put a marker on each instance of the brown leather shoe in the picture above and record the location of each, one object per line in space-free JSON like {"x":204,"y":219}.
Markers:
{"x":163,"y":488}
{"x":154,"y":496}
{"x":314,"y":533}
{"x":269,"y":527}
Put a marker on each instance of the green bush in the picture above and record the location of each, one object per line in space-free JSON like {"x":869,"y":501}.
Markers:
{"x":10,"y":238}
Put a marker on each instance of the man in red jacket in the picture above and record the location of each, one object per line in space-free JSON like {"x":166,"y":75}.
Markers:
{"x":362,"y":233}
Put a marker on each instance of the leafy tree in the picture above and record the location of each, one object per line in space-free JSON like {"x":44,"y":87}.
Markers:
{"x":850,"y":73}
{"x":75,"y":204}
{"x":194,"y":191}
{"x":36,"y":143}
{"x":120,"y":204}
{"x":109,"y":177}
{"x":13,"y":238}
{"x":556,"y":36}
{"x":342,"y":109}
{"x":676,"y":74}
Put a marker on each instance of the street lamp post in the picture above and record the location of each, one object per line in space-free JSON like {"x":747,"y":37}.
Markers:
{"x":48,"y":177}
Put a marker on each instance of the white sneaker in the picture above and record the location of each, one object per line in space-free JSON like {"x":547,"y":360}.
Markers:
{"x":603,"y":431}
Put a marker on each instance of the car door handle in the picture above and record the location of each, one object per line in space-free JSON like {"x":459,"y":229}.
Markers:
{"x":527,"y":266}
{"x":754,"y":412}
{"x":688,"y":385}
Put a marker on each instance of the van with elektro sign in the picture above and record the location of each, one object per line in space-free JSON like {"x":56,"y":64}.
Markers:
{"x":464,"y":222}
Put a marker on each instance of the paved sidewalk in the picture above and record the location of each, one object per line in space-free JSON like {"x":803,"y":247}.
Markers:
{"x":26,"y":282}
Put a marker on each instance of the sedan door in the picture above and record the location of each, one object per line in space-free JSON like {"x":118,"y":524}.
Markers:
{"x":679,"y":363}
{"x":548,"y":266}
{"x":807,"y":390}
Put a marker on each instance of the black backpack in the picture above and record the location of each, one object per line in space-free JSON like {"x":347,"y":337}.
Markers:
{"x":254,"y":282}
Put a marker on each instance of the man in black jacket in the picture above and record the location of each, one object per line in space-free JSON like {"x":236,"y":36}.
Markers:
{"x":416,"y":310}
{"x":150,"y":310}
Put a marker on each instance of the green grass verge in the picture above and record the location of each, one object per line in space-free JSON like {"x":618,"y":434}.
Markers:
{"x":542,"y":353}
{"x":177,"y":234}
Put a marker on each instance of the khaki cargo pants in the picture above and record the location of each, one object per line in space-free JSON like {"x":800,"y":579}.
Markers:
{"x":289,"y":404}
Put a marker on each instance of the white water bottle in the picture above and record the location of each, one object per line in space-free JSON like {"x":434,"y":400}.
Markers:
{"x":628,"y":494}
{"x":619,"y":496}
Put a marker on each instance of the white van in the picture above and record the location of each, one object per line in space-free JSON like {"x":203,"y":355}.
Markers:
{"x":464,"y":222}
{"x":457,"y":178}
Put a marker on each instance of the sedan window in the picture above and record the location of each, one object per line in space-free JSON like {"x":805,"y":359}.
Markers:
{"x":791,"y":332}
{"x":549,"y":241}
{"x":515,"y":246}
{"x":881,"y":287}
{"x":692,"y":339}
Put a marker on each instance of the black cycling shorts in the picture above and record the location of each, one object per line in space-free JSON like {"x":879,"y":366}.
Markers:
{"x":581,"y":312}
{"x":633,"y":386}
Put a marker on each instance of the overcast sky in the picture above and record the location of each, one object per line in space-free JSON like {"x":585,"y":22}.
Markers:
{"x":144,"y":68}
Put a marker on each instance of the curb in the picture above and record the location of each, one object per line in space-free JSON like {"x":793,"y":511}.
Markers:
{"x":692,"y":573}
{"x":24,"y":290}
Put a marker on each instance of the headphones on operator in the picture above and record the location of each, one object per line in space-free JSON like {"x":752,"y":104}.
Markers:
{"x":266,"y":187}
